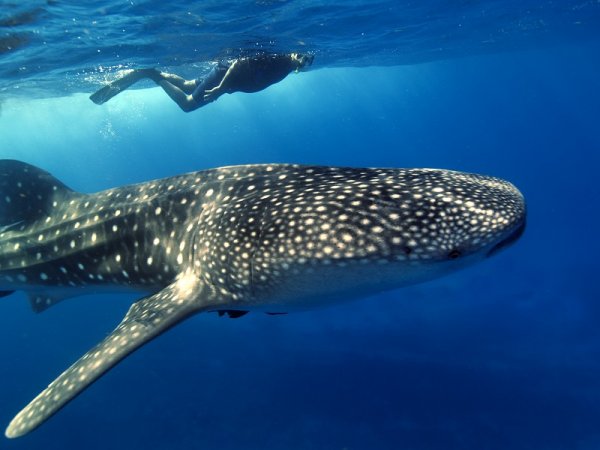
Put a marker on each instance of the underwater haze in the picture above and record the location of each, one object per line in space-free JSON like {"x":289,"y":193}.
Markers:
{"x":503,"y":355}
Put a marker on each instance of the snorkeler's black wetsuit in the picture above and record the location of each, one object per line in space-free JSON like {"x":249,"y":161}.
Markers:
{"x":247,"y":74}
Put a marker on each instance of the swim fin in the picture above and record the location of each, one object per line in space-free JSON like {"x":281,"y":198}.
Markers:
{"x":133,"y":76}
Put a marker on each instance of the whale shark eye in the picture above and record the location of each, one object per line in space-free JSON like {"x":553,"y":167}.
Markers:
{"x":454,"y":253}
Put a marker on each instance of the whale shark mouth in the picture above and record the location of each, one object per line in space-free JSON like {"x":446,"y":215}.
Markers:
{"x":509,"y":240}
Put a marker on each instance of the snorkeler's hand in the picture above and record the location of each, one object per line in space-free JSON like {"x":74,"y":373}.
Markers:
{"x":210,"y":95}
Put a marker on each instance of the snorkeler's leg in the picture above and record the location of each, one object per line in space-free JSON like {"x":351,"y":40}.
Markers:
{"x":186,"y":86}
{"x":185,"y":101}
{"x":116,"y":87}
{"x":189,"y":94}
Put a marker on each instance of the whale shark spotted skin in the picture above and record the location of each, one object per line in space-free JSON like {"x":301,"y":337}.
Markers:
{"x":273,"y":238}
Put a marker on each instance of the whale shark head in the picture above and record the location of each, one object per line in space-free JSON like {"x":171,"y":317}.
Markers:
{"x":339,"y":233}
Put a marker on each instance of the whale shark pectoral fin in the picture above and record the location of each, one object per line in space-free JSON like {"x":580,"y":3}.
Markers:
{"x":146,"y":319}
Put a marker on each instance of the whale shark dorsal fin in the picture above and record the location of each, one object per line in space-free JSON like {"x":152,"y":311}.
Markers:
{"x":146,"y":319}
{"x":26,"y":193}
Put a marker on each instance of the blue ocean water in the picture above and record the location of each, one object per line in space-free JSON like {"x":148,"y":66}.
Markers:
{"x":502,"y":355}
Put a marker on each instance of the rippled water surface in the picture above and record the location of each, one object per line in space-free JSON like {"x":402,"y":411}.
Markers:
{"x":57,"y":47}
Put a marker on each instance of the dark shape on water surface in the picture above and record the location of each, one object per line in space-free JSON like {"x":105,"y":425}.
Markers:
{"x":270,"y":237}
{"x":244,"y":74}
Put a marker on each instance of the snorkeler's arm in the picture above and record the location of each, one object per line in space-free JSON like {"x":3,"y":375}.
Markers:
{"x":212,"y":94}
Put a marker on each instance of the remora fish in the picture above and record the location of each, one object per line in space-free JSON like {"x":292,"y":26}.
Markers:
{"x":272,"y":238}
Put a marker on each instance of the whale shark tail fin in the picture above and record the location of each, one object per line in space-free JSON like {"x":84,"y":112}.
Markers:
{"x":116,"y":87}
{"x":146,"y":319}
{"x":27,"y":193}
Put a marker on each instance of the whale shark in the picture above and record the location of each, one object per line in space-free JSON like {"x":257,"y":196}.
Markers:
{"x":275,"y":238}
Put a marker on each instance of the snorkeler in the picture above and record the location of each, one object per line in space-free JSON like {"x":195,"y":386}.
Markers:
{"x":246,"y":74}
